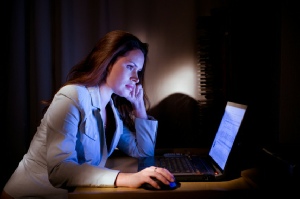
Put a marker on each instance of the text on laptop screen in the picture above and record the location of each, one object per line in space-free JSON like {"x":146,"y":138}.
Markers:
{"x":226,"y":134}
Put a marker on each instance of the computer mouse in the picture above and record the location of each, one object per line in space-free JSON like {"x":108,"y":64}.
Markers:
{"x":171,"y":186}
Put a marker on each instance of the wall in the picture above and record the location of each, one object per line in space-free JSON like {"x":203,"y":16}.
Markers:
{"x":170,"y":31}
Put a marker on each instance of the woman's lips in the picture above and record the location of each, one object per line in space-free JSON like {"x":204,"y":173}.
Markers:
{"x":130,"y":87}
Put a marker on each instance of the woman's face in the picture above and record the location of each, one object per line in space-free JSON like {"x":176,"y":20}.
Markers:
{"x":123,"y":76}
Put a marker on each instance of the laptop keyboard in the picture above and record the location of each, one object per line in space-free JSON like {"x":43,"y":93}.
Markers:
{"x":202,"y":164}
{"x":179,"y":164}
{"x":183,"y":164}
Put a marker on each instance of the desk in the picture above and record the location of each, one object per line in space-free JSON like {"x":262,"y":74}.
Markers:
{"x":242,"y":187}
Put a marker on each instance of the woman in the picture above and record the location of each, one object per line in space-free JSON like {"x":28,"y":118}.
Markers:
{"x":102,"y":106}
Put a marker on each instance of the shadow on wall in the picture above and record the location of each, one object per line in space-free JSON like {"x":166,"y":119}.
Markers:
{"x":180,"y":122}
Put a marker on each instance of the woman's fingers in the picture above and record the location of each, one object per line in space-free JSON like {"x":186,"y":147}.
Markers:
{"x":161,"y":174}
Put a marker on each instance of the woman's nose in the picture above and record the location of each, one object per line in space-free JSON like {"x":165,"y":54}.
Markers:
{"x":135,"y":78}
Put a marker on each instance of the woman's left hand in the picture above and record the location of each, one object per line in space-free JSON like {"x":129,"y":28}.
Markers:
{"x":136,"y":95}
{"x":136,"y":98}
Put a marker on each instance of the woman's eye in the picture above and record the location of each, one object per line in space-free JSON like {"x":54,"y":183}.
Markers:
{"x":129,"y":67}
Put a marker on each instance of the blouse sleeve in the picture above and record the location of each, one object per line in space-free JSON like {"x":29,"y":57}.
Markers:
{"x":140,"y":143}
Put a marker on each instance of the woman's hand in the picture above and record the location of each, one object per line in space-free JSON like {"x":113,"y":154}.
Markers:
{"x":136,"y":95}
{"x":136,"y":98}
{"x":135,"y":180}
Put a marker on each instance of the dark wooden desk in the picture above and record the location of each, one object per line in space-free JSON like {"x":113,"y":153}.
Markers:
{"x":242,"y":187}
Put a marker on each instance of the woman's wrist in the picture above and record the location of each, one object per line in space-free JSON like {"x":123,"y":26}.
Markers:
{"x":140,"y":114}
{"x":139,"y":110}
{"x":122,"y":180}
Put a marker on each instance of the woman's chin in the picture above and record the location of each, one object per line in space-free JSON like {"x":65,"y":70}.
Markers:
{"x":123,"y":94}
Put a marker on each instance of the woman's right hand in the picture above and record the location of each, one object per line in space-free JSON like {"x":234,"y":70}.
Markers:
{"x":135,"y":180}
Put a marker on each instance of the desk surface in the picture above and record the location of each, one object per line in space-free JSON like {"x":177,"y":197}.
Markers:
{"x":242,"y":185}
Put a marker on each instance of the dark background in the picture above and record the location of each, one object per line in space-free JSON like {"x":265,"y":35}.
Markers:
{"x":260,"y":56}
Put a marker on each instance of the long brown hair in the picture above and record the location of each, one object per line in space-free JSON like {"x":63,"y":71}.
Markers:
{"x":93,"y":69}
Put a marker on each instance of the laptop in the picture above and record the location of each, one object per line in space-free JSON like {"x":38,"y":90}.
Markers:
{"x":219,"y":164}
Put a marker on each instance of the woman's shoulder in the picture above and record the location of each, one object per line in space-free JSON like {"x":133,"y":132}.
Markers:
{"x":82,"y":96}
{"x":78,"y":93}
{"x":73,"y":89}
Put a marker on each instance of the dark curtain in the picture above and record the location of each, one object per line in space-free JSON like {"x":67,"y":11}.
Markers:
{"x":42,"y":40}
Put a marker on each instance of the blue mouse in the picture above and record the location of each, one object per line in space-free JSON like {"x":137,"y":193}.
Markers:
{"x":171,"y":186}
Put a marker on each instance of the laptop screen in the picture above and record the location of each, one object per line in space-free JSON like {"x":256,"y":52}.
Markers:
{"x":227,"y":131}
